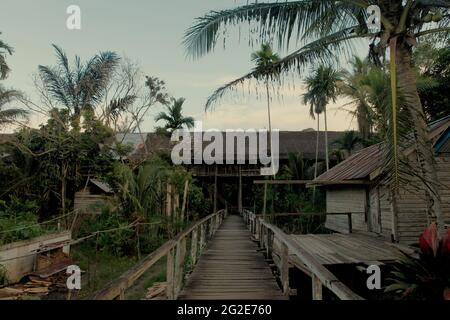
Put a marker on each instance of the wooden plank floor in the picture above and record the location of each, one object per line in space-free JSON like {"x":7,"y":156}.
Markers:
{"x":330,"y":249}
{"x":232,"y":268}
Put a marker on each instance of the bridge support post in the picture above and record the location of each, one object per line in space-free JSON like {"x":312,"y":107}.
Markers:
{"x":202,"y":236}
{"x":316,"y":287}
{"x":170,"y":274}
{"x":179,"y":266}
{"x":284,"y":268}
{"x":194,"y":243}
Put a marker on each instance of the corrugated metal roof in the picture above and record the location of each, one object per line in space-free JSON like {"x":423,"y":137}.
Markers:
{"x":102,"y":185}
{"x":358,"y":166}
{"x":363,"y":163}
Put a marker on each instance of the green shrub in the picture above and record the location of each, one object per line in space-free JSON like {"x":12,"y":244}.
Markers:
{"x":19,"y":216}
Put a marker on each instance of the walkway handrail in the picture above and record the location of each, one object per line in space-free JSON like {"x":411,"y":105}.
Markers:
{"x":321,"y":276}
{"x":175,"y":251}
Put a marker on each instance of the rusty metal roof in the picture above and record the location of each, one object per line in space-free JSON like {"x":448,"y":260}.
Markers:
{"x":359,"y":166}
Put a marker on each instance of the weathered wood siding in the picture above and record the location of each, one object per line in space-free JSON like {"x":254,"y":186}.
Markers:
{"x":85,"y":202}
{"x":412,"y":205}
{"x":346,"y":199}
{"x":379,"y":200}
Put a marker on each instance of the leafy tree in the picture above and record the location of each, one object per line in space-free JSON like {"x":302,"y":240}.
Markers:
{"x":4,"y":50}
{"x":174,"y":117}
{"x":324,"y":28}
{"x":434,"y":82}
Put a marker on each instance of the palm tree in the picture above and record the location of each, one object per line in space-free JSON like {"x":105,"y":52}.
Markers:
{"x":264,"y":59}
{"x":322,"y":87}
{"x":354,"y":86}
{"x":347,"y":143}
{"x":324,"y":28}
{"x":4,"y":68}
{"x":7,"y":116}
{"x":82,"y":86}
{"x":174,"y":118}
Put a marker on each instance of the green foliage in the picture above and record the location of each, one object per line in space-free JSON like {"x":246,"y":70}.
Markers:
{"x":120,"y":241}
{"x":174,"y":118}
{"x":434,"y":80}
{"x":198,"y":205}
{"x":3,"y":276}
{"x":20,"y":216}
{"x":54,"y":157}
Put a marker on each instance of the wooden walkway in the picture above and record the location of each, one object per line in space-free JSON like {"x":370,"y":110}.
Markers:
{"x":354,"y":248}
{"x":232,"y":268}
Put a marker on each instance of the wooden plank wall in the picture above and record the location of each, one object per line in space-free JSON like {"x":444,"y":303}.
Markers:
{"x":412,"y":205}
{"x":86,"y":202}
{"x":346,"y":199}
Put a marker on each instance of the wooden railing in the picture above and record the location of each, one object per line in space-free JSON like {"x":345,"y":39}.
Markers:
{"x":311,"y":214}
{"x":176,"y":252}
{"x":268,"y":234}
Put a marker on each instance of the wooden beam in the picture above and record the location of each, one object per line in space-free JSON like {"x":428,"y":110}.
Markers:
{"x":299,"y":214}
{"x":316,"y":288}
{"x":265,"y":201}
{"x":179,"y":266}
{"x":185,"y":195}
{"x":284,"y":269}
{"x":194,"y":246}
{"x":326,"y":277}
{"x":170,"y":275}
{"x":311,"y":182}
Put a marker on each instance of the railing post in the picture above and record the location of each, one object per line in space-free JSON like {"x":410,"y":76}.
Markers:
{"x":284,"y":268}
{"x":194,"y":245}
{"x":316,"y":287}
{"x":350,"y":226}
{"x":202,"y":236}
{"x":179,"y":266}
{"x":170,"y":274}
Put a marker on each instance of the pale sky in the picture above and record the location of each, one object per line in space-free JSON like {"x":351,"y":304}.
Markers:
{"x":150,"y":32}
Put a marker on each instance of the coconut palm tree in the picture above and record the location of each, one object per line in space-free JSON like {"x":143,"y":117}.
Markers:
{"x":174,"y":117}
{"x":7,"y":116}
{"x":354,"y":86}
{"x":264,"y":59}
{"x":81,"y":86}
{"x":322,"y":87}
{"x":4,"y":50}
{"x":322,"y":29}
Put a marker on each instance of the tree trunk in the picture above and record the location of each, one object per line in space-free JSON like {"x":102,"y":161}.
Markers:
{"x":326,"y":139}
{"x":317,"y":155}
{"x":270,"y":124}
{"x":407,"y":83}
{"x":317,"y":146}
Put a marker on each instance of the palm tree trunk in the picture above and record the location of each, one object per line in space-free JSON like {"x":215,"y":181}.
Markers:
{"x":317,"y":156}
{"x":270,"y":123}
{"x":408,"y":85}
{"x":326,"y":139}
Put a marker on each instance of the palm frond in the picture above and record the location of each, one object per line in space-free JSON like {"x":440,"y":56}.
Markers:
{"x":277,"y":20}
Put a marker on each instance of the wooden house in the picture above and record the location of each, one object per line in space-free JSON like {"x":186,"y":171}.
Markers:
{"x":93,"y":197}
{"x":356,"y":186}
